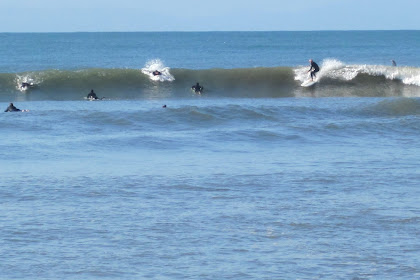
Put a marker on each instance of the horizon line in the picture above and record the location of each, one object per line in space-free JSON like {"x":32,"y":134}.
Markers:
{"x":214,"y":31}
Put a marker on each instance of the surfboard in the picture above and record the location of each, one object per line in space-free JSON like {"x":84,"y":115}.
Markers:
{"x":93,"y":99}
{"x":308,"y":83}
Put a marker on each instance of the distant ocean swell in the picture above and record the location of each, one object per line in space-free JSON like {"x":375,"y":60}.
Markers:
{"x":334,"y":79}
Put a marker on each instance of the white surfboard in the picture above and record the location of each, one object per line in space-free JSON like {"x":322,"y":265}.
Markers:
{"x":308,"y":83}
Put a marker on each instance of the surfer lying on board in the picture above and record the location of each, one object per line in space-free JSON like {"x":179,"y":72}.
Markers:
{"x":314,"y":68}
{"x":26,"y":85}
{"x":156,"y":73}
{"x":197,"y":88}
{"x":12,"y":108}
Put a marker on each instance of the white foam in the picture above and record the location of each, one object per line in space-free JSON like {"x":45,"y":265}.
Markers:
{"x":26,"y":78}
{"x":335,"y":69}
{"x":327,"y":67}
{"x":157,"y":64}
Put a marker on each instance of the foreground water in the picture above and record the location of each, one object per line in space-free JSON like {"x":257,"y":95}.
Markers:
{"x":257,"y":178}
{"x":210,"y":189}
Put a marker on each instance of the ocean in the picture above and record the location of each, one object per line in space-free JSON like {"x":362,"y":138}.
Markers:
{"x":257,"y":177}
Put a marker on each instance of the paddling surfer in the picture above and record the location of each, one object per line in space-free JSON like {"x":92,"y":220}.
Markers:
{"x":92,"y":95}
{"x":197,"y":88}
{"x":12,"y":108}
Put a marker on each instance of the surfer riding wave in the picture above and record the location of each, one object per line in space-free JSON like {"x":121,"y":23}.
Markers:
{"x":314,"y":69}
{"x":157,"y":71}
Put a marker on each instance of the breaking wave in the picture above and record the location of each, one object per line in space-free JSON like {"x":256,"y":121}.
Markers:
{"x":337,"y":70}
{"x":157,"y":65}
{"x":334,"y":79}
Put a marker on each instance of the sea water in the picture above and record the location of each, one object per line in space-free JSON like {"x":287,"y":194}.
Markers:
{"x":256,"y":178}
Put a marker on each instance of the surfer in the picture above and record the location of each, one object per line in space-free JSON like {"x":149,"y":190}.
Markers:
{"x":26,"y":85}
{"x":92,"y":95}
{"x":12,"y":108}
{"x":156,"y":73}
{"x":314,"y":68}
{"x":393,"y":62}
{"x":197,"y":88}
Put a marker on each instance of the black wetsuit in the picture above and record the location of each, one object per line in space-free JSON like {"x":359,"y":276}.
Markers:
{"x":92,"y":95}
{"x":12,"y":108}
{"x":197,"y":88}
{"x":315,"y":68}
{"x":26,"y":85}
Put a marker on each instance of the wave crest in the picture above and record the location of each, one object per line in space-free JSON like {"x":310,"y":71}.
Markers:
{"x":335,"y":79}
{"x":337,"y":70}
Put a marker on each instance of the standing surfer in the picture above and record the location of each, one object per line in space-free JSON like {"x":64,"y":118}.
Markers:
{"x":314,"y":68}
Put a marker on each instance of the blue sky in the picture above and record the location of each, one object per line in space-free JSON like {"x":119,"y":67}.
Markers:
{"x":204,"y":15}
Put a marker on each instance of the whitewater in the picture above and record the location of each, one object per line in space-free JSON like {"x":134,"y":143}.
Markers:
{"x":334,"y":79}
{"x":255,"y":178}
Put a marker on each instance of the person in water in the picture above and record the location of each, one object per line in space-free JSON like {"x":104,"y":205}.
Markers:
{"x":197,"y":88}
{"x":92,"y":95}
{"x":12,"y":108}
{"x":156,"y":73}
{"x":314,"y":68}
{"x":26,"y":85}
{"x":393,"y":62}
